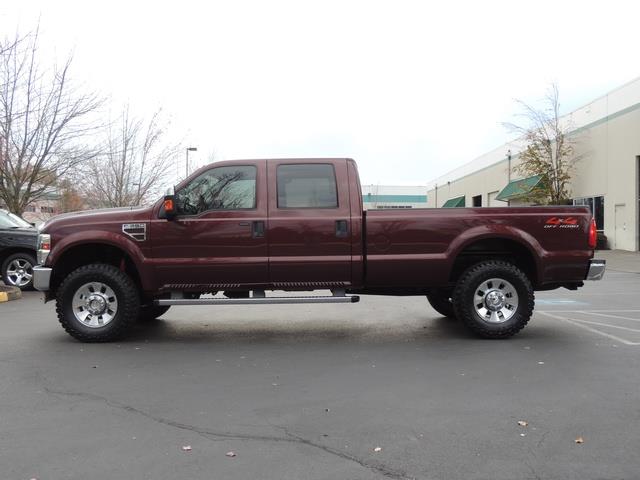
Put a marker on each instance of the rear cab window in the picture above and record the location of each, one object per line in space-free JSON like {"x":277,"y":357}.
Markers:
{"x":307,"y":186}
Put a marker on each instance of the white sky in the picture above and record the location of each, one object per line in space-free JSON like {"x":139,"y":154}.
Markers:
{"x":409,"y":89}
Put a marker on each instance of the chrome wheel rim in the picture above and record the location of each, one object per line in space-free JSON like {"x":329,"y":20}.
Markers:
{"x":20,"y":272}
{"x":495,"y":300}
{"x":95,"y":304}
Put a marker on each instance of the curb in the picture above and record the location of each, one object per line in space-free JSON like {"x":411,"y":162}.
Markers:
{"x":9,"y":293}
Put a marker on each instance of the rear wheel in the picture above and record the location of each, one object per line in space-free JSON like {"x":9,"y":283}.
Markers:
{"x":494,"y":299}
{"x":441,"y":302}
{"x":97,"y":303}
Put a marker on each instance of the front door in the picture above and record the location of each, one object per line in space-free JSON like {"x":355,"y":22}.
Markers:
{"x":218,"y":238}
{"x":309,"y":224}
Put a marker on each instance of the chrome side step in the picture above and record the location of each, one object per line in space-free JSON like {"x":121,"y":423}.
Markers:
{"x":257,"y":300}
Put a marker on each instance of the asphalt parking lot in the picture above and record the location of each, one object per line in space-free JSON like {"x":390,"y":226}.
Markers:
{"x":382,"y":389}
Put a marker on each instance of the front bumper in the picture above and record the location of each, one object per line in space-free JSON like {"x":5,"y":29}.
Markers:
{"x":41,"y":278}
{"x":596,"y":269}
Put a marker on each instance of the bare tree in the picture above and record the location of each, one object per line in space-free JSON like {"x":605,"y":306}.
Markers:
{"x":44,"y":120}
{"x":549,"y":151}
{"x":136,"y":160}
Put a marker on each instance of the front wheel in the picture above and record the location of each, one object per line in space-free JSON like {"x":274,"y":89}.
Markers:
{"x":494,"y":299}
{"x":97,"y":303}
{"x":17,"y":270}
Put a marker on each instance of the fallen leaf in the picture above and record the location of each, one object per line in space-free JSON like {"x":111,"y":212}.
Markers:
{"x":540,"y":363}
{"x":579,"y":440}
{"x":377,"y":449}
{"x":523,"y":423}
{"x":523,"y":434}
{"x":186,"y":448}
{"x":231,"y":454}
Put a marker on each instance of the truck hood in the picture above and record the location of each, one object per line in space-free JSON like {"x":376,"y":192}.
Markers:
{"x":101,"y":216}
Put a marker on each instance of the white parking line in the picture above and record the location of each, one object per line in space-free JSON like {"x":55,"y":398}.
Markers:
{"x":607,"y":325}
{"x":587,"y":311}
{"x":612,"y":316}
{"x":592,"y":330}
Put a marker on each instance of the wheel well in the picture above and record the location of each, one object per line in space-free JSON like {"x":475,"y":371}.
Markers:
{"x":92,"y":253}
{"x":10,"y":251}
{"x":492,"y":249}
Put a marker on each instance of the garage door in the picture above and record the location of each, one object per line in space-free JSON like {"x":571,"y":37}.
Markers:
{"x":492,"y":200}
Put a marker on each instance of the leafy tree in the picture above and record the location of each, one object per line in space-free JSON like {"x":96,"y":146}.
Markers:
{"x":550,"y":150}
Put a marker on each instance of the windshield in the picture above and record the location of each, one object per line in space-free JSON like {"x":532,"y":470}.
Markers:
{"x":20,"y":221}
{"x":9,"y":220}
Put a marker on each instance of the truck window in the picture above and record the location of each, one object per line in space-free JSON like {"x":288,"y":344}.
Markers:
{"x":222,"y":188}
{"x":307,"y":186}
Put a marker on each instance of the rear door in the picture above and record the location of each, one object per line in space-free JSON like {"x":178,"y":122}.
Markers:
{"x":309,"y":228}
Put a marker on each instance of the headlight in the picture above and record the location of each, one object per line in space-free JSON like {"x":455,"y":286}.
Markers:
{"x":44,"y":247}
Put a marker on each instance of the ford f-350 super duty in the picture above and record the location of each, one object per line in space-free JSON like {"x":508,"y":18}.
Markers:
{"x":246,"y":227}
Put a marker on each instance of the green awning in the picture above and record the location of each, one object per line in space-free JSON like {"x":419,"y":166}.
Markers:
{"x":454,"y":202}
{"x":519,"y":188}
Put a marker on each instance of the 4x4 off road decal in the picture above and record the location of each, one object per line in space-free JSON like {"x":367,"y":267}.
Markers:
{"x":137,"y":231}
{"x":562,"y":222}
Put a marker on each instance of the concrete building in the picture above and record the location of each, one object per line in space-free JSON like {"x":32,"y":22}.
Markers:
{"x":390,"y":196}
{"x":607,"y":178}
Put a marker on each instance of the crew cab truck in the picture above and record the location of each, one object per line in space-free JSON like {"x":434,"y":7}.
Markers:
{"x":246,"y":227}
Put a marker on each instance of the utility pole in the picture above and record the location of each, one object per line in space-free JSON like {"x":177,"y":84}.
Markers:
{"x":189,"y":149}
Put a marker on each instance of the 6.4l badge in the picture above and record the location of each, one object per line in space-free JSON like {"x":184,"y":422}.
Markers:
{"x":137,"y":231}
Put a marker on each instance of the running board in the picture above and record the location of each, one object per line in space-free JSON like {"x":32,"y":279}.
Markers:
{"x":257,"y":300}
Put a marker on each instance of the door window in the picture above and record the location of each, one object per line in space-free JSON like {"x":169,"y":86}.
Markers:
{"x":311,"y":185}
{"x":221,"y":188}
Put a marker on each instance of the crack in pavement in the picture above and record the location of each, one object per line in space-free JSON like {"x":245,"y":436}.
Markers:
{"x":216,"y":435}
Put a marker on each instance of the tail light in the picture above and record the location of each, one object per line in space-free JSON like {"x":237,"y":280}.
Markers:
{"x":593,"y":234}
{"x":44,"y":247}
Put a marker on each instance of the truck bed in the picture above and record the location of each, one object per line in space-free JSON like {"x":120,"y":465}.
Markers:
{"x":420,"y":246}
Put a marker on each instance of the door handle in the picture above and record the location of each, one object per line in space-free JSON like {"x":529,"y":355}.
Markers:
{"x":257,"y":229}
{"x":244,"y":224}
{"x":342,"y":228}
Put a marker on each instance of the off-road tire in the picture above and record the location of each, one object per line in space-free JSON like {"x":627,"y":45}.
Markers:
{"x":472,"y":278}
{"x":148,"y":313}
{"x":440,"y":301}
{"x":5,"y":267}
{"x":126,"y":293}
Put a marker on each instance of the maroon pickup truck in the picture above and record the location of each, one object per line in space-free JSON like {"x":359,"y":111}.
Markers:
{"x":250,"y":226}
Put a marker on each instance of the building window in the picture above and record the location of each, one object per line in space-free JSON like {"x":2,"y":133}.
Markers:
{"x":46,"y":209}
{"x":383,"y":207}
{"x":596,"y":205}
{"x":30,"y":208}
{"x":477,"y":200}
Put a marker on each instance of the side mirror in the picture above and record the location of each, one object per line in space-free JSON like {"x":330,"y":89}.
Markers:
{"x":168,"y":209}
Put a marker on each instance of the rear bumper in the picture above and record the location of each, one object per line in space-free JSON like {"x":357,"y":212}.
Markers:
{"x":41,"y":278}
{"x":596,"y":269}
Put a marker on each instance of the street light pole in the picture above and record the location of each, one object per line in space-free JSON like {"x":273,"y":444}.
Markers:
{"x":189,"y":149}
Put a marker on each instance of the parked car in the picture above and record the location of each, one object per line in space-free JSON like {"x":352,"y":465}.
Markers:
{"x":18,"y":243}
{"x":245,"y":227}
